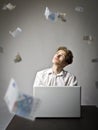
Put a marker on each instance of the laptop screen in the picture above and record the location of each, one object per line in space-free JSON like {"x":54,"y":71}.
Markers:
{"x":58,"y":101}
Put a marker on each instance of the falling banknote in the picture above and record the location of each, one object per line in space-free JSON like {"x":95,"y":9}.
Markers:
{"x":16,"y":32}
{"x":50,"y":15}
{"x":54,"y":16}
{"x":9,"y":6}
{"x":19,"y":103}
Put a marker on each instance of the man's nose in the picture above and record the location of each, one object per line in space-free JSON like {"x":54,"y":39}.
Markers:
{"x":58,"y":55}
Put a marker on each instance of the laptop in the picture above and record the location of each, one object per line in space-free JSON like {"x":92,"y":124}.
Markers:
{"x":58,"y":101}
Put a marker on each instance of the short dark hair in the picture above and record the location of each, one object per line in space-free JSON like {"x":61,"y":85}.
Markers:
{"x":69,"y":54}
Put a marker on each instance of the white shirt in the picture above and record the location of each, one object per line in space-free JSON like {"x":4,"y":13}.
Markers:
{"x":48,"y":78}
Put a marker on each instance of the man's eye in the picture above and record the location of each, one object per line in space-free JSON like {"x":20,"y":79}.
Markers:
{"x":63,"y":56}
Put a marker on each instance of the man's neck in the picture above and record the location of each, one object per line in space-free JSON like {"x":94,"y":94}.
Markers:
{"x":56,"y":69}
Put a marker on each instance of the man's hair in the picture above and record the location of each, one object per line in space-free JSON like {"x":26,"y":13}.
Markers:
{"x":69,"y":54}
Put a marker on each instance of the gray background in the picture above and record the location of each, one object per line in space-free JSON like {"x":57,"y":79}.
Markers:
{"x":40,"y":38}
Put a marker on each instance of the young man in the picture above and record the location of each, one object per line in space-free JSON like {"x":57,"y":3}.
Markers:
{"x":57,"y":76}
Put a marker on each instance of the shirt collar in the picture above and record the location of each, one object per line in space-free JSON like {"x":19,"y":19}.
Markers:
{"x":51,"y":72}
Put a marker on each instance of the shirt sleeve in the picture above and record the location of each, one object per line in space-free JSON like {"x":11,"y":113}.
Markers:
{"x":37,"y":81}
{"x":74,"y":81}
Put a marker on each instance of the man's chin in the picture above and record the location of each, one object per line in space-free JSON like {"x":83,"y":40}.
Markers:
{"x":55,"y":61}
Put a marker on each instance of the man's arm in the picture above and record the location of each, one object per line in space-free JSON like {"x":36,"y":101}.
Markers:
{"x":38,"y":81}
{"x":74,"y":81}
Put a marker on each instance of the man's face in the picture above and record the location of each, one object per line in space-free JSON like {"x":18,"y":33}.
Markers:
{"x":59,"y":58}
